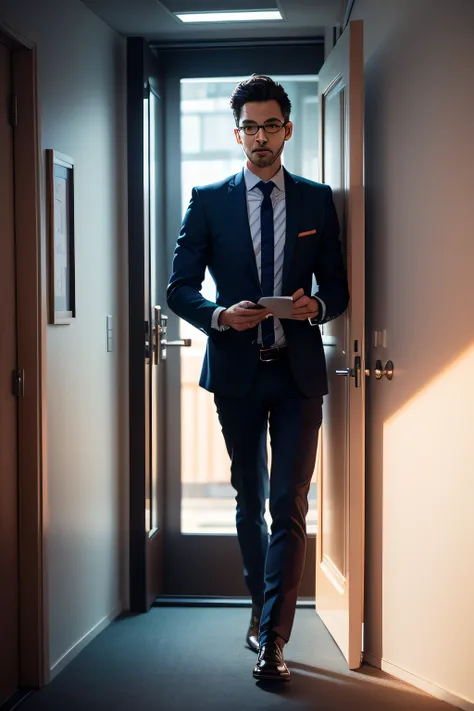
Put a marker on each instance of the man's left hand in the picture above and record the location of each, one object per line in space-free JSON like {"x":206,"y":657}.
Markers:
{"x":304,"y":307}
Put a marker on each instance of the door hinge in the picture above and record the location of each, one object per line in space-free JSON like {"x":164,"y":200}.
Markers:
{"x":18,"y":383}
{"x":14,"y":110}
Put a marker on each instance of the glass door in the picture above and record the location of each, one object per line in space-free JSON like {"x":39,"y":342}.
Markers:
{"x":202,"y":557}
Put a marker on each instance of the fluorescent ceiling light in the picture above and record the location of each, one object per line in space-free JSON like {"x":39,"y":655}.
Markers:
{"x":238,"y":16}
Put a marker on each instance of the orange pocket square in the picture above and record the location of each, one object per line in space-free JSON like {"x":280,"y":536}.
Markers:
{"x":305,"y":234}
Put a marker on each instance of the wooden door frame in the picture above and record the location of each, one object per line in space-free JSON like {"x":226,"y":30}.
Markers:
{"x":30,"y":239}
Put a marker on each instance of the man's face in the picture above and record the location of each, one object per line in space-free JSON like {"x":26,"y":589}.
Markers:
{"x":264,"y":148}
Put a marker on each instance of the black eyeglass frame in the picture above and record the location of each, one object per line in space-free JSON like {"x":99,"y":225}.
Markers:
{"x":258,"y":126}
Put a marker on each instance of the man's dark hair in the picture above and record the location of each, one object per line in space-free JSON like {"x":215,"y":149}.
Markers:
{"x":259,"y":88}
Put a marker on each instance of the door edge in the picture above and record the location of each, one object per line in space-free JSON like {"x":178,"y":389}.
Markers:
{"x":31,"y":339}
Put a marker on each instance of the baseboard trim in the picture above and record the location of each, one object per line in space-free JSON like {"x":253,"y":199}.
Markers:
{"x":84,"y":641}
{"x":202,"y":601}
{"x":418,"y":682}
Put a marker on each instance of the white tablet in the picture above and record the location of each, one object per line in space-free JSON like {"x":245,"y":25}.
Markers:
{"x":280,"y":306}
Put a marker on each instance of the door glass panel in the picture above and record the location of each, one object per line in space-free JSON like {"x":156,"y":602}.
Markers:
{"x":155,"y":235}
{"x":146,"y":315}
{"x":210,"y":153}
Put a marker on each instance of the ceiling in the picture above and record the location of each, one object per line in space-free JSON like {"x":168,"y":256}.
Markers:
{"x":154,"y":19}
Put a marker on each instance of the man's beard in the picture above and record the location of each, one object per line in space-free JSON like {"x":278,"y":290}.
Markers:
{"x":267,"y":160}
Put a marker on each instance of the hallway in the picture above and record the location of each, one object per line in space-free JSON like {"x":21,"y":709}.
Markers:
{"x":91,"y":479}
{"x":185,"y":659}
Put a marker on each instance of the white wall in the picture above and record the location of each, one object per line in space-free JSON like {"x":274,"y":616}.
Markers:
{"x":81,"y":72}
{"x":419,"y":59}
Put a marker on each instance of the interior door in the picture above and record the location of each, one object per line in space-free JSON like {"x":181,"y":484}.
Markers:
{"x":9,"y":618}
{"x":146,"y":290}
{"x":340,"y":549}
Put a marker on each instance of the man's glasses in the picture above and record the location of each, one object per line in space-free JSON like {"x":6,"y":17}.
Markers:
{"x":251,"y":129}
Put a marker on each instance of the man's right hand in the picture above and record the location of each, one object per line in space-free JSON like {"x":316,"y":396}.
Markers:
{"x":243,"y":316}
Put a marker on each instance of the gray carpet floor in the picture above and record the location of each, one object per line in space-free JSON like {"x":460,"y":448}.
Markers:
{"x":195,"y":659}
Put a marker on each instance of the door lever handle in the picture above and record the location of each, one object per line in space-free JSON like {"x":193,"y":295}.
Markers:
{"x":159,"y":343}
{"x":355,"y":372}
{"x":183,"y":342}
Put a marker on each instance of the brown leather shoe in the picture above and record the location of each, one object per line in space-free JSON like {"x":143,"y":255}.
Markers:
{"x":252,"y":633}
{"x":270,"y":664}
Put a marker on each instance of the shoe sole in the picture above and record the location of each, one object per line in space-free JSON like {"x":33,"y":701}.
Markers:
{"x":262,"y":677}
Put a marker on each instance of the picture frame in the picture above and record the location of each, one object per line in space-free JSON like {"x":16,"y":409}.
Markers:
{"x":60,"y":195}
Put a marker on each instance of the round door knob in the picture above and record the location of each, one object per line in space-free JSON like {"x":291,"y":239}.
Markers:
{"x":380,"y":371}
{"x":389,"y":370}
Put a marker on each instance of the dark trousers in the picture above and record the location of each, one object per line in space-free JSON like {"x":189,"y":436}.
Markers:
{"x":273,"y":565}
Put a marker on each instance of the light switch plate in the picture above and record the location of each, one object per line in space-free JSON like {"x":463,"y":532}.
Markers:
{"x":109,"y":333}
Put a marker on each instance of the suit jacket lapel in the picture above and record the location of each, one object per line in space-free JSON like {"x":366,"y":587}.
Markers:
{"x":239,"y":223}
{"x":292,"y":213}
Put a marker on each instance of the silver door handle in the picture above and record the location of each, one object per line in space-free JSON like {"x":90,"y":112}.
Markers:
{"x":183,"y":343}
{"x":349,"y":372}
{"x":159,"y":342}
{"x":355,"y":372}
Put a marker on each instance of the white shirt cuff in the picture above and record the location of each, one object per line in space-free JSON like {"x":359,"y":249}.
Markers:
{"x":321,"y":313}
{"x":215,"y":319}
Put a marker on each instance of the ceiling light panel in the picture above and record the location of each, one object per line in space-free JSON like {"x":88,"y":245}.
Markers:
{"x":236,"y":16}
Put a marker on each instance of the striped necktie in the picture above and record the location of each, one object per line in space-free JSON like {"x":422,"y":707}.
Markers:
{"x":268,"y":257}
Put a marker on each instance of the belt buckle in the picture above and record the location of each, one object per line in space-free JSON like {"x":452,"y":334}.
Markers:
{"x":266,"y":354}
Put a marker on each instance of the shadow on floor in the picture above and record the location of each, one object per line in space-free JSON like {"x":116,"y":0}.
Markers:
{"x":195,"y":659}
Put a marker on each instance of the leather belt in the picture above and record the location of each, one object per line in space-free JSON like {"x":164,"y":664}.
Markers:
{"x":270,"y":355}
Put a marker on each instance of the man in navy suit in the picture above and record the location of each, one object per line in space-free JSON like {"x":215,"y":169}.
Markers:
{"x":264,"y":232}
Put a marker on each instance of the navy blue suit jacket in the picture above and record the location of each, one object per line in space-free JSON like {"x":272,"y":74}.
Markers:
{"x":215,"y":233}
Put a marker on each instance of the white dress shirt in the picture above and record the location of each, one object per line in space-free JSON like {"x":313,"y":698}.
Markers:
{"x":254,"y":199}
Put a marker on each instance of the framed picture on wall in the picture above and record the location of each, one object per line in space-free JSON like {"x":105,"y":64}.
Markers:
{"x":61,"y":277}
